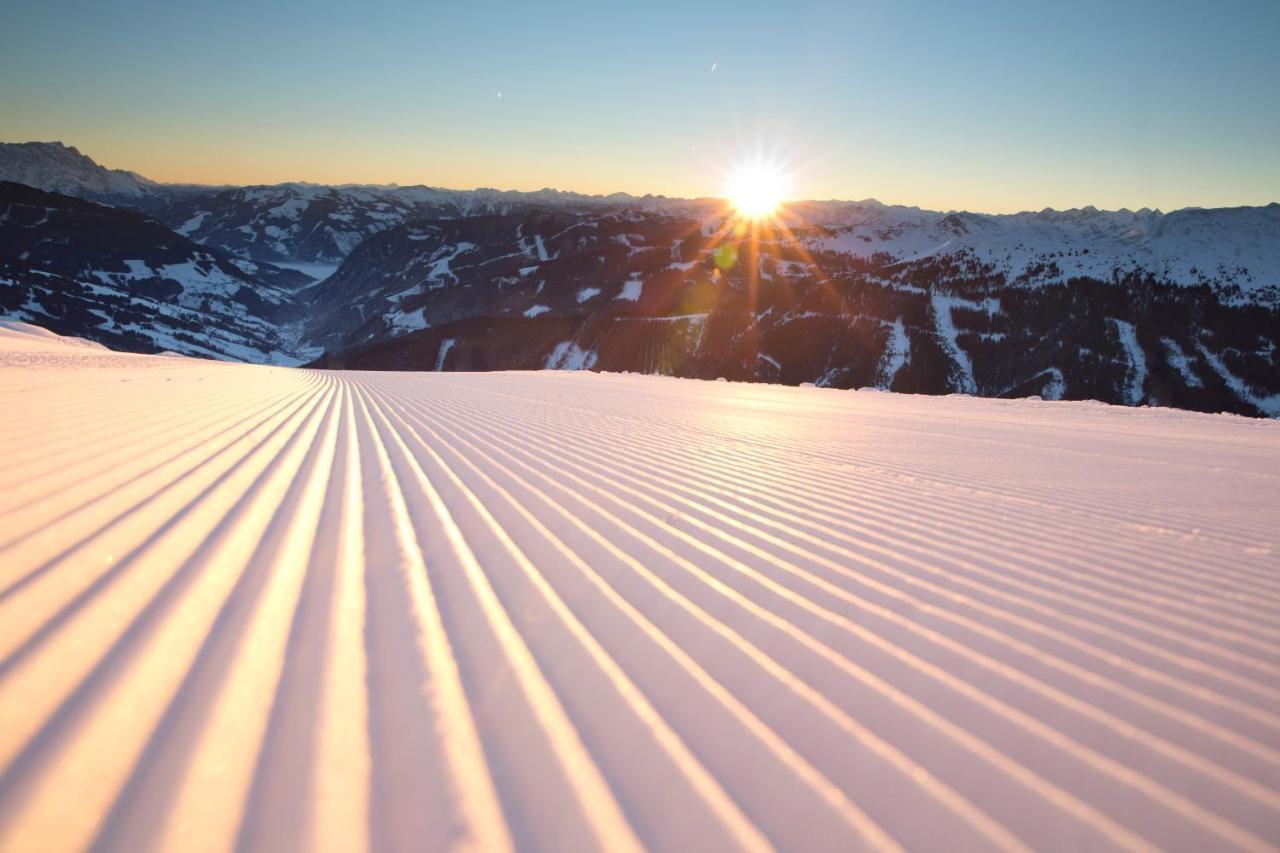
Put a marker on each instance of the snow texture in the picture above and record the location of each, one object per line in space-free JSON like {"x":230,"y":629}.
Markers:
{"x":265,"y":608}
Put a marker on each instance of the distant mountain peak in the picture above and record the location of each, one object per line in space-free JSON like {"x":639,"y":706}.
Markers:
{"x":61,"y":168}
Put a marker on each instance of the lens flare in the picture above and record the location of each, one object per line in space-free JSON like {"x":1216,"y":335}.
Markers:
{"x":756,"y":188}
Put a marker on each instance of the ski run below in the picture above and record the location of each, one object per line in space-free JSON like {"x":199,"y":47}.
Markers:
{"x":276,"y":609}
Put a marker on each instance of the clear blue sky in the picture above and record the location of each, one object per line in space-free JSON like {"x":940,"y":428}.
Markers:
{"x":987,"y":106}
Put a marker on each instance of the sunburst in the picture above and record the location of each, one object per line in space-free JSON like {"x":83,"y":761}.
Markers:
{"x":757,"y":188}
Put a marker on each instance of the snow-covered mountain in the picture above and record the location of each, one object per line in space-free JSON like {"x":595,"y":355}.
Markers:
{"x":123,"y":279}
{"x":60,"y":168}
{"x":1232,"y":249}
{"x":1225,"y":247}
{"x":832,"y":302}
{"x":316,"y":223}
{"x":289,"y":222}
{"x":1178,"y":309}
{"x":1228,"y":248}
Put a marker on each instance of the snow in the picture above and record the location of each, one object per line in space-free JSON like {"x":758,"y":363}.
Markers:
{"x":1185,"y":247}
{"x":445,"y":346}
{"x":266,"y":608}
{"x":344,"y":241}
{"x":293,"y":208}
{"x":631,"y":290}
{"x":535,"y":310}
{"x":1268,"y":404}
{"x":441,"y":258}
{"x":1056,"y":386}
{"x":962,"y":378}
{"x":16,"y":336}
{"x":193,"y":224}
{"x":1179,"y":361}
{"x":897,"y":354}
{"x":61,"y":168}
{"x":1137,"y":372}
{"x":587,"y":293}
{"x":138,"y":269}
{"x":567,"y":355}
{"x":408,"y":321}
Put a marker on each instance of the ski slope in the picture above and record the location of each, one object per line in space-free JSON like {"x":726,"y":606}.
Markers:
{"x":278,"y":609}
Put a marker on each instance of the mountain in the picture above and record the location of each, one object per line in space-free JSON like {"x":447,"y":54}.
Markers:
{"x":299,"y":223}
{"x":125,"y":280}
{"x":59,"y":168}
{"x":312,"y":223}
{"x":316,"y":223}
{"x":302,"y":222}
{"x":1134,"y":307}
{"x":1231,"y":249}
{"x":1078,"y":305}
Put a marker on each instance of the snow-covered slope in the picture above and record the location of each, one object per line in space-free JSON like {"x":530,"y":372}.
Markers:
{"x":277,"y":609}
{"x":318,"y":223}
{"x":304,"y":222}
{"x":124,"y":279}
{"x":1222,"y":247}
{"x":666,"y":293}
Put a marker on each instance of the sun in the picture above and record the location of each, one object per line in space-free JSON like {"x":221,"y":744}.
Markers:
{"x":756,"y":188}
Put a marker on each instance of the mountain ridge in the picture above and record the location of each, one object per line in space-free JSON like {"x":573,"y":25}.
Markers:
{"x":1133,"y":307}
{"x":617,"y":196}
{"x":300,"y":222}
{"x":122,"y":278}
{"x":661,"y":293}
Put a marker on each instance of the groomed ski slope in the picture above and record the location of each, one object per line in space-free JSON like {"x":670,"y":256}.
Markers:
{"x":283,"y":609}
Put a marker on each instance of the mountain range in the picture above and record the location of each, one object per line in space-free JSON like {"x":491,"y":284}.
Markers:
{"x":1133,"y":307}
{"x":121,"y":278}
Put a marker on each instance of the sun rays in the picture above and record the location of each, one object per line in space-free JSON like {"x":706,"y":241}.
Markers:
{"x":757,"y":187}
{"x":757,"y":190}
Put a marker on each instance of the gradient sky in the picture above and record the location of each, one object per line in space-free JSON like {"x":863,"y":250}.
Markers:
{"x":983,"y":106}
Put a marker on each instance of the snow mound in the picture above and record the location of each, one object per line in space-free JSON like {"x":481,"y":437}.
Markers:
{"x":16,"y":333}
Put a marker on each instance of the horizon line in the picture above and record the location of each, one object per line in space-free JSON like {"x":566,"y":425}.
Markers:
{"x":631,"y":195}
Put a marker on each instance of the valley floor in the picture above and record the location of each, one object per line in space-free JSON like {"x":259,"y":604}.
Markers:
{"x":282,"y":609}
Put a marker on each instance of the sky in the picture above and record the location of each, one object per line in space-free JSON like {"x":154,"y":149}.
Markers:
{"x":986,"y":106}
